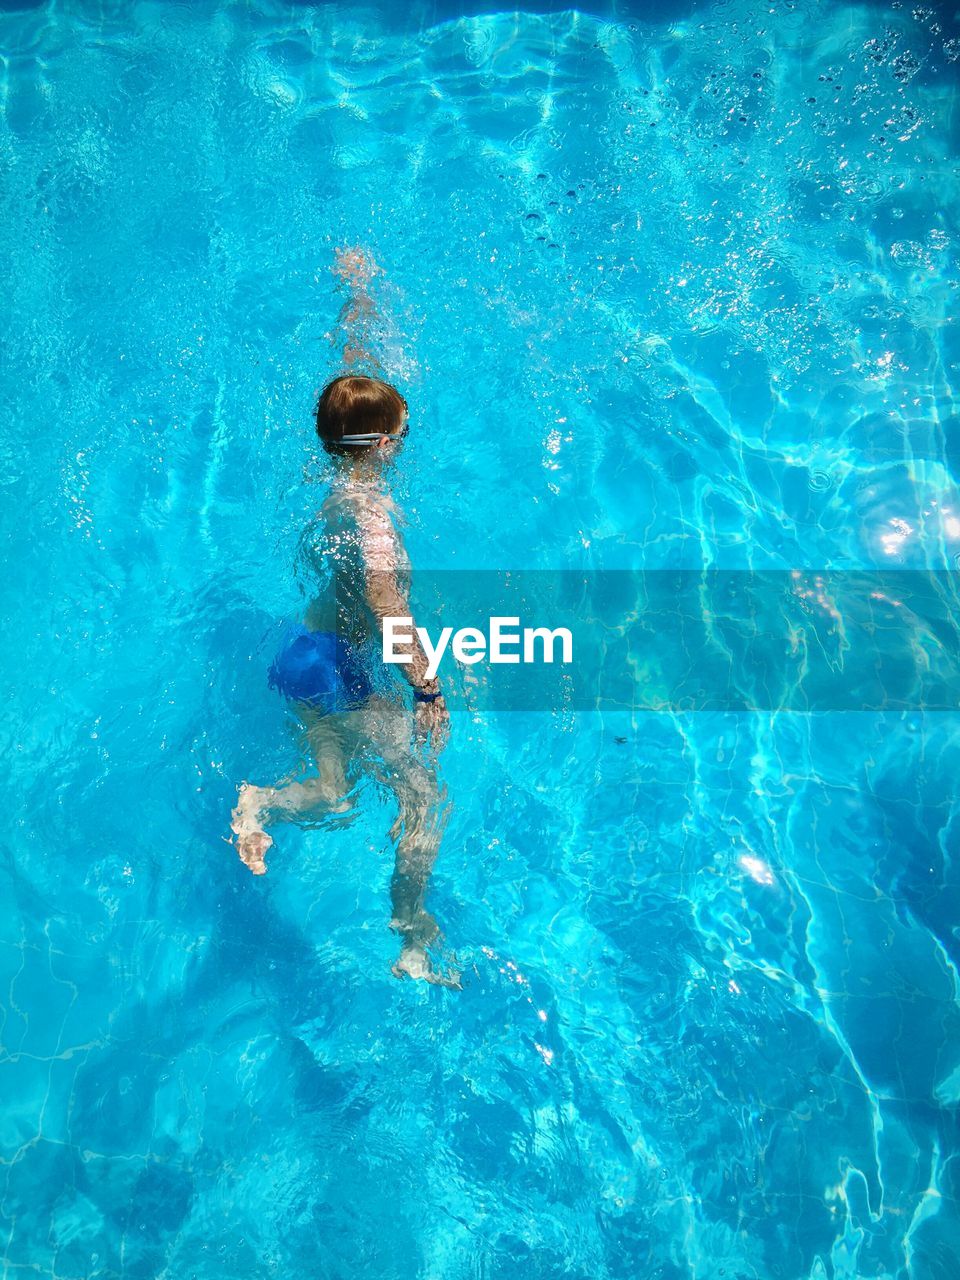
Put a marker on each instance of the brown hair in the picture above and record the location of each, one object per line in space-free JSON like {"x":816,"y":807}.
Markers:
{"x":354,"y":405}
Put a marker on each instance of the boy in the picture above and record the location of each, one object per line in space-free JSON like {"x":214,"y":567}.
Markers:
{"x":361,"y":421}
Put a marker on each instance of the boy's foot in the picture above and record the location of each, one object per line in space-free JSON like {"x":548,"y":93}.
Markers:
{"x":413,"y":962}
{"x":251,"y":847}
{"x":252,"y":841}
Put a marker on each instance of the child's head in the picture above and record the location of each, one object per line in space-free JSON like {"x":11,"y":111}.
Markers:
{"x":352,"y":406}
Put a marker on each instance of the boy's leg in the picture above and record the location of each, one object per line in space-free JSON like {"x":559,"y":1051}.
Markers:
{"x":290,"y":800}
{"x":417,"y":831}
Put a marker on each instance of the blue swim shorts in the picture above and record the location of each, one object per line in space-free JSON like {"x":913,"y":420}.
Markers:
{"x":321,"y":669}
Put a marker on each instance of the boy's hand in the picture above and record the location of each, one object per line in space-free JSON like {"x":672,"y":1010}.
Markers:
{"x":432,"y":720}
{"x":355,"y":265}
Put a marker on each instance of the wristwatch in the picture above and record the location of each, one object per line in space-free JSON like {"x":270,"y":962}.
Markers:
{"x":429,"y":691}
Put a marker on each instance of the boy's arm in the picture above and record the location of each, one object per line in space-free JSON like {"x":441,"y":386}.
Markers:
{"x":356,"y":268}
{"x":387,"y":596}
{"x":388,"y":599}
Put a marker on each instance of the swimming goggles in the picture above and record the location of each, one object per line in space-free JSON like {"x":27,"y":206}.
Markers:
{"x":368,"y":437}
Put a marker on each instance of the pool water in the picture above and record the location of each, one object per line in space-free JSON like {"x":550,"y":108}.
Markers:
{"x":664,"y":288}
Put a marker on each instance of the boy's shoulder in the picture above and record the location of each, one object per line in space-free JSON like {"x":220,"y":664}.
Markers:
{"x":361,"y":501}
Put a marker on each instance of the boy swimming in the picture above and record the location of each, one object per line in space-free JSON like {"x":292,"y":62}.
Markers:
{"x":324,"y":667}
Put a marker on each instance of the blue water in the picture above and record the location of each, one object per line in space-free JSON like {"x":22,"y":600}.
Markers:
{"x":662,"y":291}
